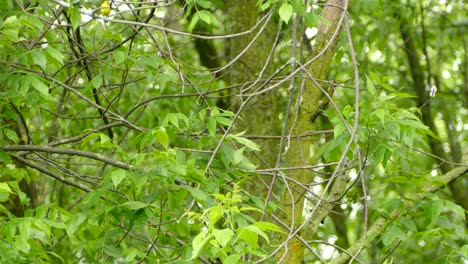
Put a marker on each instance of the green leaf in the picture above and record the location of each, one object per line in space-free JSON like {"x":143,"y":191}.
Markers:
{"x":399,"y":179}
{"x":285,"y":12}
{"x":233,"y":259}
{"x":199,"y":243}
{"x":76,"y":223}
{"x":171,"y":118}
{"x":211,"y":127}
{"x":117,"y":177}
{"x":119,"y":56}
{"x":55,"y":55}
{"x":11,"y":135}
{"x":250,"y":235}
{"x":75,"y":16}
{"x":39,"y":86}
{"x":131,"y":255}
{"x":383,"y":213}
{"x":244,"y":141}
{"x":267,"y":226}
{"x":4,"y":192}
{"x":205,"y":3}
{"x":134,"y":205}
{"x":223,"y":236}
{"x":205,"y":15}
{"x":4,"y":157}
{"x":464,"y":249}
{"x":193,"y":22}
{"x":370,"y":86}
{"x":223,"y":120}
{"x":238,"y":156}
{"x":197,"y":194}
{"x":91,"y":198}
{"x":432,"y":210}
{"x":24,"y":230}
{"x":408,"y":222}
{"x":39,"y":58}
{"x":311,"y":19}
{"x":162,"y":137}
{"x":375,"y":77}
{"x":457,"y":209}
{"x":97,"y":81}
{"x":215,"y":214}
{"x":393,"y":233}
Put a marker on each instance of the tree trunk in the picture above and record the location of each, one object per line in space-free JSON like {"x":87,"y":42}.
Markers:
{"x":260,"y":117}
{"x":299,"y":151}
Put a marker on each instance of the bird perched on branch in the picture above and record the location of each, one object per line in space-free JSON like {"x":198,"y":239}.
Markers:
{"x":105,"y":8}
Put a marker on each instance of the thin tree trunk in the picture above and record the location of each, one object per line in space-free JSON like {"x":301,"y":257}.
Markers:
{"x":299,"y":151}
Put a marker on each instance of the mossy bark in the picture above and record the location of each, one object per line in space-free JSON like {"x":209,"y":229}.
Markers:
{"x":260,"y":117}
{"x":299,"y":151}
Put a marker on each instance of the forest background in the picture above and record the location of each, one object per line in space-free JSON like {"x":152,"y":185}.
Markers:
{"x":210,"y":131}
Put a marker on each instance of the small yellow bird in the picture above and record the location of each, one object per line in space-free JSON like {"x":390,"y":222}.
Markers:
{"x":105,"y":8}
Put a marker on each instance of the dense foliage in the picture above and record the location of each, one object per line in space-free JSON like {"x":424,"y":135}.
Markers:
{"x":210,"y":131}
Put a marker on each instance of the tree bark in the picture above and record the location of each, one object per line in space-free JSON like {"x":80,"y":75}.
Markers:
{"x":260,"y":117}
{"x":299,"y":151}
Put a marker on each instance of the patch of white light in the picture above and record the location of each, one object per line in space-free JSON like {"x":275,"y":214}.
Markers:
{"x":311,"y":151}
{"x":456,"y":64}
{"x":353,"y":174}
{"x":311,"y":32}
{"x":329,"y":252}
{"x":80,"y":81}
{"x":147,"y":47}
{"x":160,"y":14}
{"x":442,"y":2}
{"x":421,"y":243}
{"x":281,"y":116}
{"x":376,"y":56}
{"x":446,"y":147}
{"x":317,"y":189}
{"x":448,"y":9}
{"x":445,"y":74}
{"x":345,"y":58}
{"x":432,"y":91}
{"x":434,"y":173}
{"x":355,"y":207}
{"x":85,"y":18}
{"x":464,"y":126}
{"x":123,"y":7}
{"x":45,"y":43}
